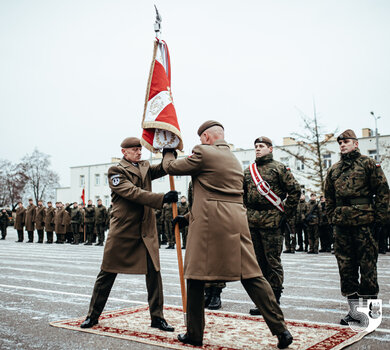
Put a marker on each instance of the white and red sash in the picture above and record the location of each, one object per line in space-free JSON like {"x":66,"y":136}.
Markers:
{"x":264,"y":188}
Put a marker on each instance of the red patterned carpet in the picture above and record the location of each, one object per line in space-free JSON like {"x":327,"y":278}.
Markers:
{"x":224,"y":331}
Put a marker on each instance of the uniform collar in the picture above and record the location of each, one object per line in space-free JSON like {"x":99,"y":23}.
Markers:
{"x":265,"y":159}
{"x":140,"y":171}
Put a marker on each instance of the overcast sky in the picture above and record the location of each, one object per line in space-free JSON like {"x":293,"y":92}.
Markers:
{"x":73,"y":74}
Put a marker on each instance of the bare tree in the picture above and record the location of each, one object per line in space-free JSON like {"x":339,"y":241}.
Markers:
{"x":41,"y":180}
{"x":12,"y":183}
{"x":310,"y":150}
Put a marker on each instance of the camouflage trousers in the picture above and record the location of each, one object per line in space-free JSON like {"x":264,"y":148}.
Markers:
{"x":169,"y":232}
{"x":312,"y":233}
{"x":268,"y":244}
{"x":356,"y":251}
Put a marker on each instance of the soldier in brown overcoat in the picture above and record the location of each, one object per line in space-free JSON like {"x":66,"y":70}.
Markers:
{"x":49,"y":222}
{"x":40,"y":220}
{"x":219,"y":246}
{"x":132,"y":243}
{"x":30,"y":218}
{"x":19,"y":221}
{"x":60,"y":223}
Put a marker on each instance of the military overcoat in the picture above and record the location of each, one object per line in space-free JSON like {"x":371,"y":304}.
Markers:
{"x":39,"y":217}
{"x":20,"y":218}
{"x":30,"y":217}
{"x":133,"y":231}
{"x":219,"y":245}
{"x":60,"y":221}
{"x":49,"y":219}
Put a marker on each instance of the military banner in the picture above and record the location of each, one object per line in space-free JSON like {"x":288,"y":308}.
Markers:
{"x":160,"y":125}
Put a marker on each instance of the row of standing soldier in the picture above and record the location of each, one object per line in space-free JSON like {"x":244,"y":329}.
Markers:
{"x":72,"y":223}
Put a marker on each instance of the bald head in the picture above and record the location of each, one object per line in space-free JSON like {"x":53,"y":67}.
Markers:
{"x":209,"y":136}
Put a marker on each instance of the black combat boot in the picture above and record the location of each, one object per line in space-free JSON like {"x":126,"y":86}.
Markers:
{"x":207,"y":296}
{"x":30,"y":236}
{"x":215,"y":302}
{"x":255,"y":312}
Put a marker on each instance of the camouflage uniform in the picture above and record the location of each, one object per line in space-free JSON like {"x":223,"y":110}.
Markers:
{"x":325,"y":230}
{"x":264,"y":218}
{"x":100,"y":222}
{"x":311,"y":221}
{"x":350,"y":186}
{"x":89,"y":222}
{"x":75,"y":221}
{"x":160,"y":226}
{"x":299,"y":227}
{"x":168,"y":228}
{"x":183,"y":209}
{"x":4,"y":221}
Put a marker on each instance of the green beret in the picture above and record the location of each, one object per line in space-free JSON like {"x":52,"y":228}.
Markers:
{"x":129,"y":142}
{"x":208,"y":124}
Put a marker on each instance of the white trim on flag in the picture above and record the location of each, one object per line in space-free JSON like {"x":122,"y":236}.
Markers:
{"x":156,"y":105}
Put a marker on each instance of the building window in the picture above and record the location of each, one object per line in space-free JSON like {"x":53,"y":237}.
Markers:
{"x":97,"y":179}
{"x":327,"y":160}
{"x":106,"y":179}
{"x":299,"y":164}
{"x":372,"y":154}
{"x":285,"y":161}
{"x":245,"y":164}
{"x":106,"y":201}
{"x":82,"y":180}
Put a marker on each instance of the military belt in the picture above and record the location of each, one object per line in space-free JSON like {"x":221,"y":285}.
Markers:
{"x":345,"y":202}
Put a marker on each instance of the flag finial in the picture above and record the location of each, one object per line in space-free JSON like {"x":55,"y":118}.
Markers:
{"x":157,"y":24}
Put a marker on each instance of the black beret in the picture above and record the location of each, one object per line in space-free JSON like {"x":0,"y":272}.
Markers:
{"x":347,"y":134}
{"x":129,"y":142}
{"x":208,"y":124}
{"x":263,"y":139}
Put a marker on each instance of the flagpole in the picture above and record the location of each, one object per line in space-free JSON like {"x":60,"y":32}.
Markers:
{"x":179,"y":255}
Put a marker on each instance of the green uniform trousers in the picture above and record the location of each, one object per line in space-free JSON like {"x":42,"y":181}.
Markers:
{"x":258,"y":290}
{"x":105,"y":281}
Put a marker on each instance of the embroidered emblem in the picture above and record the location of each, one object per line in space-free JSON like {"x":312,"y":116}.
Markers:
{"x":115,"y":180}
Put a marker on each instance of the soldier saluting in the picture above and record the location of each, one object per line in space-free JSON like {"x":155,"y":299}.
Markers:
{"x":266,"y":184}
{"x":357,"y":196}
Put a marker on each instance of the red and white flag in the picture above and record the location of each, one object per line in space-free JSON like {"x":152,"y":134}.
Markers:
{"x":160,"y":125}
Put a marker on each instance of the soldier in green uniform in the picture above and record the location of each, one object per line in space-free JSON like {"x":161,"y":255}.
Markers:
{"x":39,"y":219}
{"x":75,"y":221}
{"x":168,"y":228}
{"x":89,"y":222}
{"x":265,"y":218}
{"x":299,"y":227}
{"x":182,"y":209}
{"x":351,"y":186}
{"x":311,"y":222}
{"x":100,"y":221}
{"x":4,"y":221}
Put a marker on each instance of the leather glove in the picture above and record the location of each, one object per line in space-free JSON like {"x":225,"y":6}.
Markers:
{"x":181,"y":220}
{"x":170,"y":197}
{"x":169,"y":150}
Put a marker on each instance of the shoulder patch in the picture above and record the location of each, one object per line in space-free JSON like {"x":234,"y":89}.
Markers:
{"x":378,"y":165}
{"x":115,"y":179}
{"x":288,"y":168}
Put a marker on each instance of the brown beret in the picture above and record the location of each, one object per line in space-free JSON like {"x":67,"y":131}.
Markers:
{"x":263,"y":139}
{"x":208,"y":124}
{"x":129,"y":142}
{"x":347,"y":134}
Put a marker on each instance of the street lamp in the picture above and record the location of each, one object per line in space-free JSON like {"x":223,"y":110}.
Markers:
{"x":376,"y":135}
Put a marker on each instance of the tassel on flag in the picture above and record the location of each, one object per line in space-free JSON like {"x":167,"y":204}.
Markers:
{"x":160,"y":125}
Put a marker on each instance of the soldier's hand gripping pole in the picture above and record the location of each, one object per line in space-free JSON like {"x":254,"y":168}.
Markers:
{"x":179,"y":255}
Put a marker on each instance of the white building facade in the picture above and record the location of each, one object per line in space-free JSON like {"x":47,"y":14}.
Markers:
{"x":93,"y":178}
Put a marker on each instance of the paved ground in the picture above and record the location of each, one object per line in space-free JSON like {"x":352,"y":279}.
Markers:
{"x":40,"y":283}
